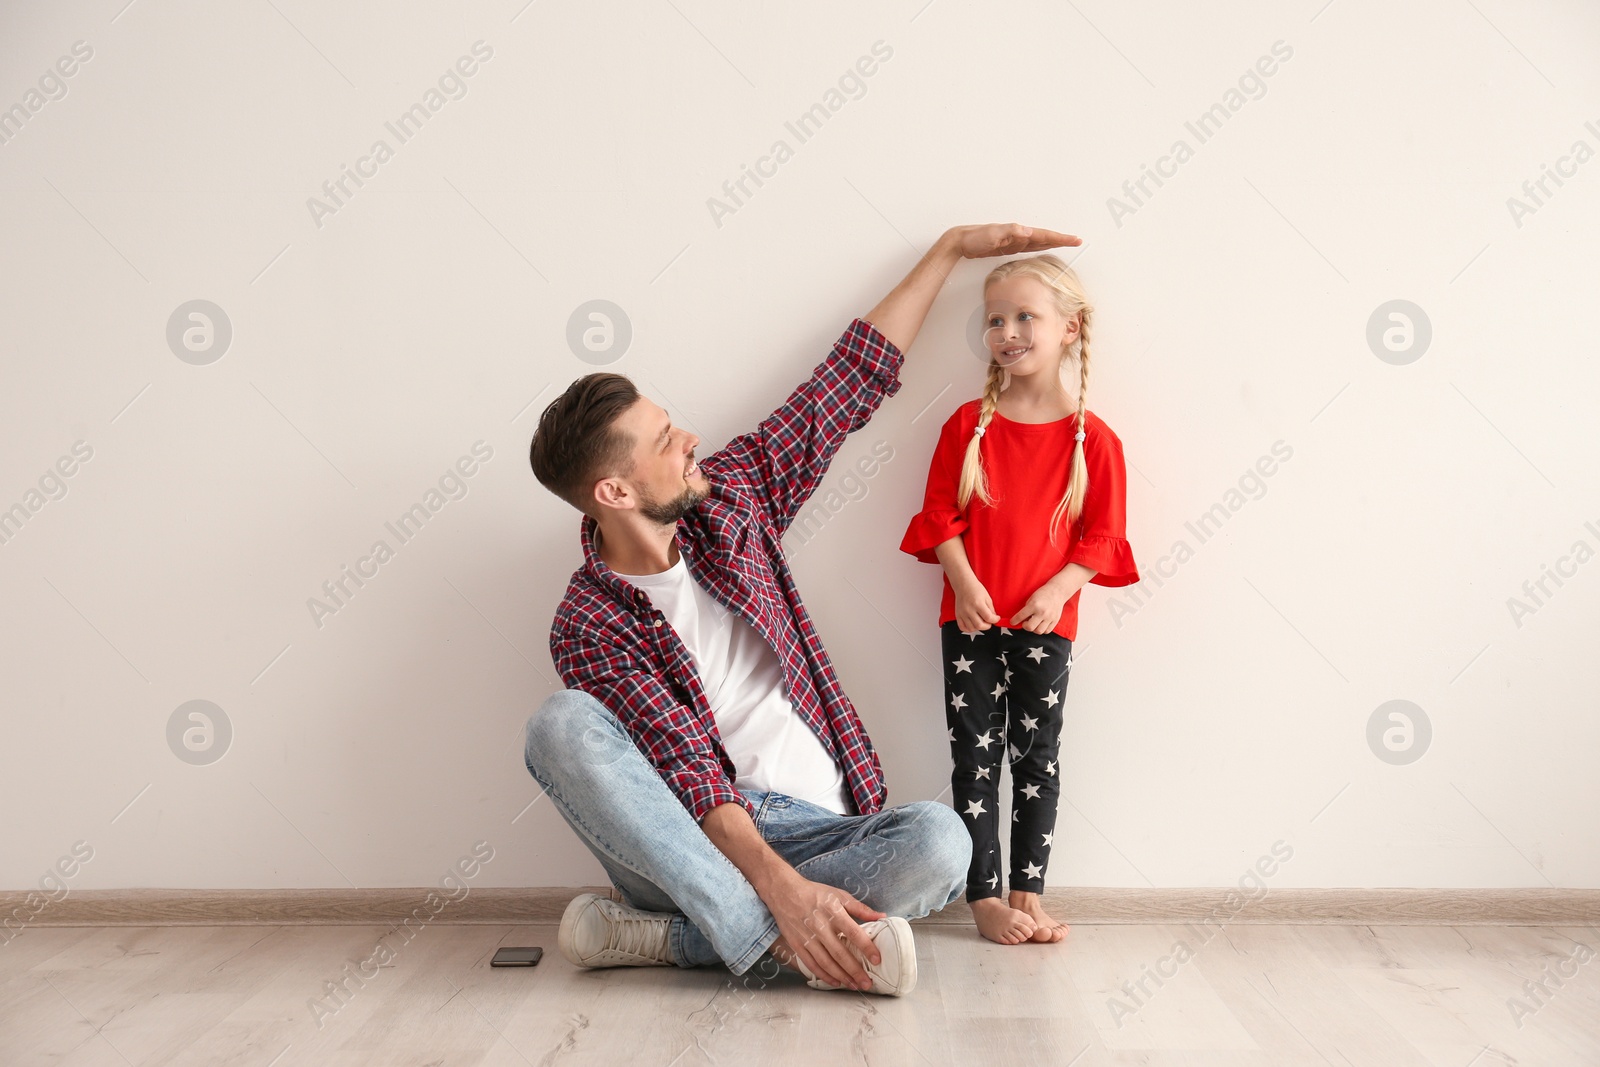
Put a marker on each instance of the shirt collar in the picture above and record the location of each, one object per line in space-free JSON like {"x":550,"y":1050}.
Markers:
{"x":600,"y":571}
{"x":716,"y":528}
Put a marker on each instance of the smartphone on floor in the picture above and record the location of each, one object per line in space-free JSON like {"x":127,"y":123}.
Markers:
{"x":517,"y":957}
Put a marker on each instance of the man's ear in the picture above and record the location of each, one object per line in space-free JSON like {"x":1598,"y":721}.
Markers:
{"x":611,"y":493}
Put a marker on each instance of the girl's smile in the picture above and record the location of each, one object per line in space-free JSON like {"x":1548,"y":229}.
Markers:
{"x":1025,"y":332}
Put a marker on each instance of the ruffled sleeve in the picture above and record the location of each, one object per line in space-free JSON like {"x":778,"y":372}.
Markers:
{"x":1103,"y":546}
{"x":940,"y":519}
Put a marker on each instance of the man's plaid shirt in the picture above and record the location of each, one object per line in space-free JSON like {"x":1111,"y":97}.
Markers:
{"x":609,"y":641}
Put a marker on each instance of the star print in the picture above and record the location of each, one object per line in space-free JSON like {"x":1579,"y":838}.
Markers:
{"x":998,"y":689}
{"x":1049,"y":839}
{"x":1032,"y":871}
{"x":1029,"y":724}
{"x":975,"y":808}
{"x":1013,"y":816}
{"x":1038,"y":655}
{"x":971,"y":635}
{"x":1031,"y":792}
{"x":952,"y":733}
{"x":1008,"y":675}
{"x":1015,"y":755}
{"x":962,"y":665}
{"x":1050,"y":768}
{"x":981,"y":772}
{"x":1004,"y":660}
{"x":957,"y":701}
{"x":1052,"y":699}
{"x":993,"y":878}
{"x":985,"y":741}
{"x":1004,"y":630}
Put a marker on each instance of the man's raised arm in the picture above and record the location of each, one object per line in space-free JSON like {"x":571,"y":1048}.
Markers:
{"x":783,"y":460}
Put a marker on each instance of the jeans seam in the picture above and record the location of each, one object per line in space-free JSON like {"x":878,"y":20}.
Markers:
{"x":573,"y":817}
{"x":894,"y":812}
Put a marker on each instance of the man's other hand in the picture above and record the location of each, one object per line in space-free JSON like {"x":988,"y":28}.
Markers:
{"x":819,"y":924}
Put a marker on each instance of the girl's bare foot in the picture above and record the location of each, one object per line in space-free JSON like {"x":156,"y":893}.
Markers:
{"x":1045,"y":929}
{"x":1001,"y":924}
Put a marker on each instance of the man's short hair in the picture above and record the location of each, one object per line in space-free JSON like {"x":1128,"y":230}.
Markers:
{"x":577,"y":441}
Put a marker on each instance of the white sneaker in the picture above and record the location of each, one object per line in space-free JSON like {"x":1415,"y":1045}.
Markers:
{"x":896,"y":975}
{"x":596,"y":932}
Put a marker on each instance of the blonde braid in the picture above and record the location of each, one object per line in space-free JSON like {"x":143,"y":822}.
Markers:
{"x":973,"y":479}
{"x":1078,"y":477}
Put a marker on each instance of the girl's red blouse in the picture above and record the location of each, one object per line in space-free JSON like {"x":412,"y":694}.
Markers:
{"x":1008,"y":543}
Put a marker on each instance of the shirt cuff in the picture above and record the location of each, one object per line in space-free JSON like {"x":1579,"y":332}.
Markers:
{"x":1111,"y":558}
{"x":877,"y":354}
{"x":701,"y":794}
{"x":930,"y":529}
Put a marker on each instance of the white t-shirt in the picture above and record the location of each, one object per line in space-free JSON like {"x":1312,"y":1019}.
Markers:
{"x":770,"y":745}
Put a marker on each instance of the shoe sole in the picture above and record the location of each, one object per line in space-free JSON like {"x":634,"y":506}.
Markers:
{"x":907,"y":948}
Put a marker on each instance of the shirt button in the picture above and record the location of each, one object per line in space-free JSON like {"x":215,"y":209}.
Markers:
{"x":657,"y":622}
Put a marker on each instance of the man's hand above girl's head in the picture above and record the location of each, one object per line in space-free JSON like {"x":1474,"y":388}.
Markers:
{"x":1005,"y":239}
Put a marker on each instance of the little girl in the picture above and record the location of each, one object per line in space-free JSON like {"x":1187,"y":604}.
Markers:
{"x":1024,"y":505}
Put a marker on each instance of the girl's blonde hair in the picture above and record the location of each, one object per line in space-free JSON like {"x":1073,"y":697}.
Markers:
{"x":1067,"y":294}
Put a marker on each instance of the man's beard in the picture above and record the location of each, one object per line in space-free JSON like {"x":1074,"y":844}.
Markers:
{"x":667,"y":513}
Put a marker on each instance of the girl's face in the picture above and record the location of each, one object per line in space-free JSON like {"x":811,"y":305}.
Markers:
{"x":1024,"y":332}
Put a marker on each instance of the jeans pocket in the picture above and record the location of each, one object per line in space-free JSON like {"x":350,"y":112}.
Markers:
{"x":791,"y":820}
{"x":772,"y":808}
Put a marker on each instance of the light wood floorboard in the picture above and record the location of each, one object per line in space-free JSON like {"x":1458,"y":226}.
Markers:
{"x":1246,"y":995}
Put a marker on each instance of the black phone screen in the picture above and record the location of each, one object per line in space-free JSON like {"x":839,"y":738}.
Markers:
{"x":517,"y":957}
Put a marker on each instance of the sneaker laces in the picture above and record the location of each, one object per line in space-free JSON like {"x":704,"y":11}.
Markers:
{"x":641,"y":937}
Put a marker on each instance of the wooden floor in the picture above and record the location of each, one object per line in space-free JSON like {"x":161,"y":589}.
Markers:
{"x":1250,"y":995}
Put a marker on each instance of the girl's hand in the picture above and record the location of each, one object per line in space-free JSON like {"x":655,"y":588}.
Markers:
{"x":1042,"y":611}
{"x":974,"y":610}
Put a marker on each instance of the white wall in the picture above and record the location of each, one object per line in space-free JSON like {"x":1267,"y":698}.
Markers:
{"x":1220,"y":713}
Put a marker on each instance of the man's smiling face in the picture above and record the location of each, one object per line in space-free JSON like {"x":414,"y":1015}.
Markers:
{"x":665,"y":481}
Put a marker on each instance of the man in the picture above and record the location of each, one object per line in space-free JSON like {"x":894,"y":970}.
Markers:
{"x":704,"y":749}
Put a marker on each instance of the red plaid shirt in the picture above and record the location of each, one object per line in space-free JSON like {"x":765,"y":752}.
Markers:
{"x":610,"y":641}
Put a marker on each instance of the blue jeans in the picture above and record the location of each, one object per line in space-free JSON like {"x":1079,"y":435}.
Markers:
{"x":906,"y":860}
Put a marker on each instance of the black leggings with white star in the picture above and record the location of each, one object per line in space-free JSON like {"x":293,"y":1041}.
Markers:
{"x":1004,"y":690}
